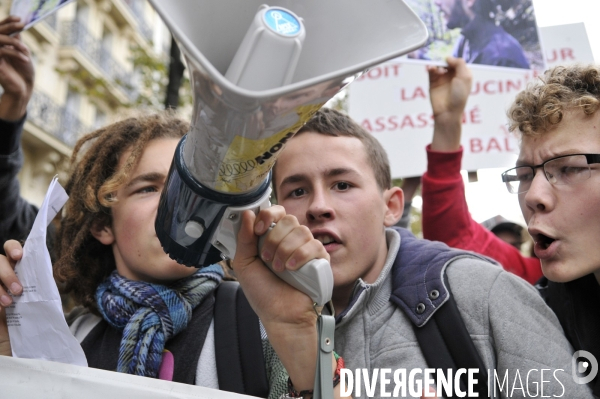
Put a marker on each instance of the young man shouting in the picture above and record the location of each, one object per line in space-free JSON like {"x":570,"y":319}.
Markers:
{"x":333,"y":187}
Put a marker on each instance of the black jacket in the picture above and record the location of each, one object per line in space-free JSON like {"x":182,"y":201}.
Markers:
{"x":577,"y":306}
{"x":16,"y":214}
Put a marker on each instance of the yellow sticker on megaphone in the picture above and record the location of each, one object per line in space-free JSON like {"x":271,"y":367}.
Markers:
{"x":248,"y":161}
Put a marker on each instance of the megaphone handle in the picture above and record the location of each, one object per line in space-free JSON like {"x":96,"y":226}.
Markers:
{"x":323,"y":388}
{"x":314,"y":278}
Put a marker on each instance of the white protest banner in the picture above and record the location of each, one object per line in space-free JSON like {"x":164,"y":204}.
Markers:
{"x":32,"y":378}
{"x":391,"y":101}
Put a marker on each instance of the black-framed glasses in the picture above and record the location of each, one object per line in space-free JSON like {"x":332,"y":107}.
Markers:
{"x":566,"y":169}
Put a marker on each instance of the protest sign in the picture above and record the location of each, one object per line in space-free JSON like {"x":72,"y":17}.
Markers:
{"x":32,"y":11}
{"x":391,"y":101}
{"x":496,"y":33}
{"x":32,"y":378}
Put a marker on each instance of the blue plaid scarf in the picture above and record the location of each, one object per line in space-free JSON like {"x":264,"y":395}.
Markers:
{"x":151,"y":314}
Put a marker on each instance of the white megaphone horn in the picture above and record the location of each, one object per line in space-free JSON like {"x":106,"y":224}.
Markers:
{"x":258,"y":74}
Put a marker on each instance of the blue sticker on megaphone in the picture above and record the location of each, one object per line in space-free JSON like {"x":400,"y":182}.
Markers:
{"x":282,"y":22}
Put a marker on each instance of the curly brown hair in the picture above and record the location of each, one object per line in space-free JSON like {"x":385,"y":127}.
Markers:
{"x":543,"y":103}
{"x":84,"y":262}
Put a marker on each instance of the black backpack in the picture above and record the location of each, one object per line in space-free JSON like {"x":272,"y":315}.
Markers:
{"x":238,"y":345}
{"x":446,"y":344}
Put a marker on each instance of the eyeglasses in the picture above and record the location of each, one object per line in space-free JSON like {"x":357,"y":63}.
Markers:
{"x":566,"y":169}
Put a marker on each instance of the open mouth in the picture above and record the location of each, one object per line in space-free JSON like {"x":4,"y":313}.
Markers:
{"x":326,"y":239}
{"x":543,"y":240}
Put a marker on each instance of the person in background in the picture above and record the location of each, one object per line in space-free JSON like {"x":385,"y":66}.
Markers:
{"x":409,"y":186}
{"x":445,"y":213}
{"x":16,"y":79}
{"x":504,"y":229}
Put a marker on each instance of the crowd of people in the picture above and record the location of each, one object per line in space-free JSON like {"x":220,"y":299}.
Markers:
{"x":332,"y":181}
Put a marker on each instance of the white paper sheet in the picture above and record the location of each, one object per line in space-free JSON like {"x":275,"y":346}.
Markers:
{"x":36,"y":322}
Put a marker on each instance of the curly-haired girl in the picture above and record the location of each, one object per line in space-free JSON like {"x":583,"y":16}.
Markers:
{"x":138,"y":306}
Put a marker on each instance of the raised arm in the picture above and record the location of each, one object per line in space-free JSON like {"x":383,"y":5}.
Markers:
{"x":16,"y":71}
{"x":446,"y":214}
{"x":16,"y":79}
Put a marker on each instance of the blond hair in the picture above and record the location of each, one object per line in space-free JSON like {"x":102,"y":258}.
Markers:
{"x":543,"y":103}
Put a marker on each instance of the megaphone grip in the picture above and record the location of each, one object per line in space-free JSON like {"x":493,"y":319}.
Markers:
{"x":314,"y":278}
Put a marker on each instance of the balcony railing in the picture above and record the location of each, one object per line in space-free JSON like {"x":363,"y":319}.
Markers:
{"x":54,"y":119}
{"x":76,"y":35}
{"x":137,"y":10}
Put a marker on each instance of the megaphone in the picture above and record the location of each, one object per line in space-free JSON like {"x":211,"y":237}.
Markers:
{"x":258,"y":73}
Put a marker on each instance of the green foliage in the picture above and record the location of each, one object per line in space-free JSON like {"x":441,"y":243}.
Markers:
{"x":185,"y":92}
{"x":415,"y":222}
{"x":90,"y":86}
{"x":154,"y":73}
{"x":339,"y":102}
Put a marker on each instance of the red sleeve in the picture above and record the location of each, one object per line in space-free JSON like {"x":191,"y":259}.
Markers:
{"x":446,"y":217}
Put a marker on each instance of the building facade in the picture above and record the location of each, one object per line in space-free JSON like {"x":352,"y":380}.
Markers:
{"x":84,"y":57}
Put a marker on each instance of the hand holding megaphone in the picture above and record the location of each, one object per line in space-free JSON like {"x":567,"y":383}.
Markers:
{"x":287,"y":314}
{"x":314,"y":277}
{"x":283,"y":246}
{"x":288,"y":249}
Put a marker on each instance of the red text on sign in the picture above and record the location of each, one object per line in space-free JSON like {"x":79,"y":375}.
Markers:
{"x":491,"y":144}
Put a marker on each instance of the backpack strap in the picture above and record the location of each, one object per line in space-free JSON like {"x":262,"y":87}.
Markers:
{"x":446,"y":344}
{"x":238,"y":344}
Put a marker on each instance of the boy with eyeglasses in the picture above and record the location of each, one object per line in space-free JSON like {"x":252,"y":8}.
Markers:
{"x":557,"y":120}
{"x":557,"y":180}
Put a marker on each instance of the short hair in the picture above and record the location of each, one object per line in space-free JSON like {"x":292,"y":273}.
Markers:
{"x":329,"y":122}
{"x":543,"y":103}
{"x":84,"y":262}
